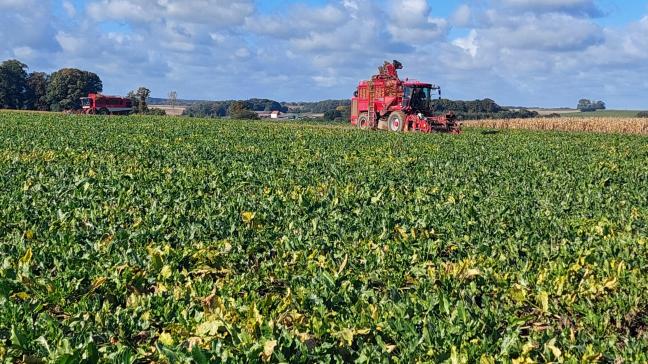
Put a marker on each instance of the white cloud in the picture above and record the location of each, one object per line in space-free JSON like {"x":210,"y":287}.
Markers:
{"x":69,"y":8}
{"x":545,"y":31}
{"x":299,"y":19}
{"x":16,"y":4}
{"x":69,"y":42}
{"x":462,"y":16}
{"x":411,"y":22}
{"x":26,"y":24}
{"x":23,"y":52}
{"x":216,"y":13}
{"x":468,"y":43}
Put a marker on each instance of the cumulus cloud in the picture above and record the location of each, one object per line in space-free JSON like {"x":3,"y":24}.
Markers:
{"x":15,"y":4}
{"x":299,"y":19}
{"x":26,"y":24}
{"x":552,"y":32}
{"x":515,"y":51}
{"x":468,"y":43}
{"x":462,"y":16}
{"x":214,"y":12}
{"x":411,"y":22}
{"x":69,"y":8}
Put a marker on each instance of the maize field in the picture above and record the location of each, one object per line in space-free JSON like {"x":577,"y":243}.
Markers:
{"x":574,"y":124}
{"x":155,"y":239}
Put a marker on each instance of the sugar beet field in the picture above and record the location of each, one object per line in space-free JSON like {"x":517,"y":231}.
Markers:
{"x":137,"y":239}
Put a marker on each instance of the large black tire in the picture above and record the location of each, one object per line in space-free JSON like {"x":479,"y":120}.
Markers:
{"x":363,"y":121}
{"x":396,"y":121}
{"x":103,"y":111}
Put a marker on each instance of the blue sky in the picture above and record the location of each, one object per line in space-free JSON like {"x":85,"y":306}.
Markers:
{"x":518,"y":52}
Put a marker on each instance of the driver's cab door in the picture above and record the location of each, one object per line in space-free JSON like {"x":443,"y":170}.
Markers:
{"x":407,"y":96}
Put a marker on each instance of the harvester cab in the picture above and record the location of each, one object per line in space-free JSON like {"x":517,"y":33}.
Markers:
{"x":419,"y":98}
{"x":387,"y":102}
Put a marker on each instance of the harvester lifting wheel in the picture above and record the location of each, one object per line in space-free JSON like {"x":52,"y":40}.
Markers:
{"x":396,"y":121}
{"x":425,"y":127}
{"x":363,"y":121}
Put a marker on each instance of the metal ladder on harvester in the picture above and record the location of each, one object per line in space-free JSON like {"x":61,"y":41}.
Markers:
{"x":371,"y":108}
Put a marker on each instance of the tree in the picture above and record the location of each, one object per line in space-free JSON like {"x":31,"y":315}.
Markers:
{"x":37,"y":91}
{"x":584,"y":105}
{"x":206,"y":109}
{"x":332,"y":115}
{"x":139,"y":98}
{"x":589,"y":105}
{"x":241,"y":111}
{"x":68,"y":85}
{"x":13,"y":84}
{"x":173,"y":97}
{"x":264,"y":105}
{"x":345,"y":111}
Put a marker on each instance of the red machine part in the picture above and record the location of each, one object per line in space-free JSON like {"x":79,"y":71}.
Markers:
{"x":387,"y":102}
{"x":106,"y":105}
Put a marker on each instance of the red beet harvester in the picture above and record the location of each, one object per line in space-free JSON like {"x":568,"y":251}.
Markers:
{"x":389,"y":103}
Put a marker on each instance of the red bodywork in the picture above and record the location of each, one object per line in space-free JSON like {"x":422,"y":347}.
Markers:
{"x":387,"y":102}
{"x":106,"y":105}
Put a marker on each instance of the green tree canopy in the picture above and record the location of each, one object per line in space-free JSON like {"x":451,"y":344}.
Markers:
{"x":37,"y":91}
{"x":589,"y":105}
{"x":68,"y":85}
{"x":13,"y":84}
{"x":241,"y":110}
{"x":332,"y":115}
{"x":139,"y":97}
{"x":207,"y":109}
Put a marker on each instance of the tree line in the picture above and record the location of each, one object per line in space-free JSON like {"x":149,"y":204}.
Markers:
{"x":59,"y":91}
{"x":318,"y":107}
{"x":586,"y":105}
{"x":242,"y":109}
{"x":479,"y":109}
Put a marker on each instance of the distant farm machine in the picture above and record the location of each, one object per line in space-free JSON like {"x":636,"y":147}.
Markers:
{"x":388,"y":103}
{"x":106,"y":105}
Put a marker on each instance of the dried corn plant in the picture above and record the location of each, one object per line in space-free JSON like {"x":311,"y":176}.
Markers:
{"x":599,"y":125}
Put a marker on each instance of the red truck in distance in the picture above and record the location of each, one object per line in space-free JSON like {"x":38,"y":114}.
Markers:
{"x":106,"y":105}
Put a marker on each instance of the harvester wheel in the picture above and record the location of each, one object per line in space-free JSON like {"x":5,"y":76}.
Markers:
{"x":363,"y":121}
{"x":396,"y":121}
{"x":104,"y":111}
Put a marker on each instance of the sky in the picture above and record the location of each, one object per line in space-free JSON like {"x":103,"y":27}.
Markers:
{"x":547,"y":53}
